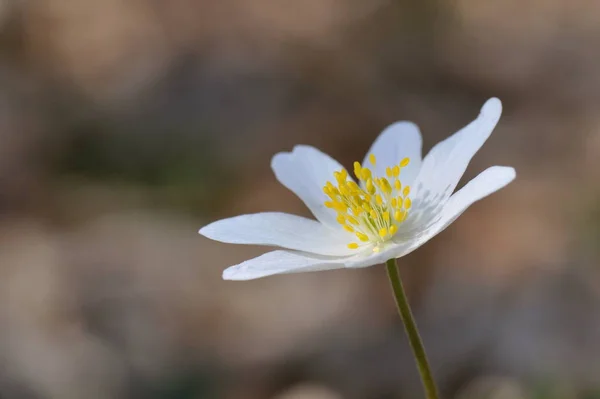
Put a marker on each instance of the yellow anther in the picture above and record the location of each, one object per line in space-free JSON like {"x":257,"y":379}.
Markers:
{"x":385,"y":186}
{"x":349,"y":229}
{"x":370,"y":187}
{"x":393,"y":229}
{"x":407,"y":203}
{"x":383,"y":232}
{"x":386,"y":216}
{"x":352,"y":220}
{"x":373,"y":214}
{"x":372,"y":159}
{"x":339,"y":177}
{"x":394,"y":202}
{"x":344,"y":173}
{"x":406,"y":191}
{"x":362,"y":237}
{"x":341,"y":219}
{"x":388,"y":172}
{"x":399,"y":216}
{"x":398,"y":185}
{"x":366,"y":207}
{"x":366,"y":173}
{"x":329,"y":204}
{"x":357,"y":169}
{"x":379,"y":200}
{"x":353,"y":186}
{"x":353,"y":245}
{"x":404,"y":162}
{"x":339,"y":207}
{"x":396,"y":171}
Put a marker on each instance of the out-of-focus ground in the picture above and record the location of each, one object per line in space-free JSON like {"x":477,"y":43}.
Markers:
{"x":125,"y":125}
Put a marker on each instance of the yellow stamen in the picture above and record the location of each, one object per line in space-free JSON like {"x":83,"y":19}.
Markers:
{"x":385,"y":186}
{"x":370,"y":187}
{"x":362,"y":237}
{"x":373,"y":210}
{"x":372,"y":159}
{"x":404,"y":162}
{"x":357,"y":169}
{"x":398,"y":216}
{"x":365,"y":173}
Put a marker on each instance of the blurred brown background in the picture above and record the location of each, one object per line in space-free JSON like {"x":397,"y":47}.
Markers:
{"x":126,"y":125}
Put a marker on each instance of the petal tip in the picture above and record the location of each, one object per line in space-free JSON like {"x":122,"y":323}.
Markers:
{"x":231,"y":273}
{"x":278,"y":158}
{"x":508,"y":172}
{"x":511,"y":173}
{"x":207,"y":231}
{"x":492,"y":108}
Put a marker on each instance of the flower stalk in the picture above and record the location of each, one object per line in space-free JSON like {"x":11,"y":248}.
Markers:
{"x":411,"y":330}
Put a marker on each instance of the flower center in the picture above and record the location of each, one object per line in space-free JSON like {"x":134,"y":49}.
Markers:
{"x":373,"y":210}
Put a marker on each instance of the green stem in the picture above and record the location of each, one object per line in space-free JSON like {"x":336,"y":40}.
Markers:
{"x":411,"y":330}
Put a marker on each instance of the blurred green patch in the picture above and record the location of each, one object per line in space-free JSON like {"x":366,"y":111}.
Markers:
{"x":178,"y":169}
{"x":192,"y":385}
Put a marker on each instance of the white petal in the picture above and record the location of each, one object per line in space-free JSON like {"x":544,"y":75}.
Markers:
{"x":447,"y":161}
{"x":398,"y":141}
{"x":393,"y":250}
{"x":279,"y":262}
{"x":484,"y":184}
{"x":280,"y":230}
{"x":305,"y":171}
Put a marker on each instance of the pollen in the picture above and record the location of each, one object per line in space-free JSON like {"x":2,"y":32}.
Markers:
{"x":372,"y":210}
{"x":372,"y":159}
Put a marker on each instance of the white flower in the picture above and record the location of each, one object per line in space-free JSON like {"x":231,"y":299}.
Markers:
{"x":399,"y":203}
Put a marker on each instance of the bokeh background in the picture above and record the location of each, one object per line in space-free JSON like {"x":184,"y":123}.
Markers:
{"x":125,"y":125}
